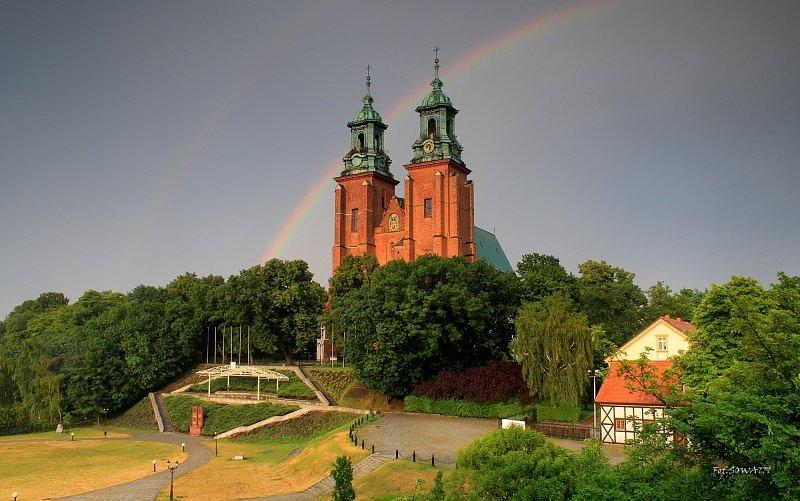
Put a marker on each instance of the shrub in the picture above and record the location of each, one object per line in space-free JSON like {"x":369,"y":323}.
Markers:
{"x":15,"y":420}
{"x":566,"y":414}
{"x":463,"y":408}
{"x":220,"y":417}
{"x":335,"y":382}
{"x":342,"y":474}
{"x":493,"y":382}
{"x":304,"y":427}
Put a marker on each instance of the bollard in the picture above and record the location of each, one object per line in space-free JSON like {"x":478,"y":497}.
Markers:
{"x":396,"y":454}
{"x":154,"y":465}
{"x":373,"y":448}
{"x":433,"y":463}
{"x":414,"y":457}
{"x":362,"y":444}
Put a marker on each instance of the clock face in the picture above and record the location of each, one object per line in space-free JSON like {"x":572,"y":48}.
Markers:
{"x":427,"y":146}
{"x":356,"y":161}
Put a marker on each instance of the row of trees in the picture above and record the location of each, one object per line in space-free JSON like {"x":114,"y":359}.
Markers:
{"x":106,"y":350}
{"x":405,"y":322}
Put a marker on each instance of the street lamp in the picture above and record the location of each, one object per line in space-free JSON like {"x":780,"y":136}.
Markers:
{"x":72,"y":436}
{"x":216,"y":445}
{"x":15,"y":494}
{"x":593,"y":374}
{"x":172,"y":468}
{"x":154,"y":465}
{"x":183,"y":446}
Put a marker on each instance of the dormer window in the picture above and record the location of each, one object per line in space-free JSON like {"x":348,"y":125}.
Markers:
{"x":360,"y":141}
{"x":431,"y":128}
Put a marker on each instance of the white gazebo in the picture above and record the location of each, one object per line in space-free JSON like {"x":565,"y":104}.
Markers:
{"x":243,"y":371}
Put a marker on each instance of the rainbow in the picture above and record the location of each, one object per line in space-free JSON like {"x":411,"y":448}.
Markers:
{"x":515,"y":34}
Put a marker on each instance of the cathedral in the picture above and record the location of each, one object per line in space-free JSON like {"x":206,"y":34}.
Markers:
{"x":437,"y":213}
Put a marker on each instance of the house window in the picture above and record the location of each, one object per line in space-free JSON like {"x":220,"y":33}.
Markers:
{"x":354,"y":220}
{"x":662,"y":344}
{"x":428,"y":207}
{"x":619,"y":424}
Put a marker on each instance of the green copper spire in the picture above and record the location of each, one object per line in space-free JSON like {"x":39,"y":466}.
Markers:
{"x":437,"y":138}
{"x":366,"y":139}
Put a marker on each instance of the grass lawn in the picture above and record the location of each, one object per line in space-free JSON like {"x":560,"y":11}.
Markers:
{"x":48,"y":465}
{"x":300,"y":429}
{"x":394,"y":479}
{"x":221,"y":417}
{"x":293,"y":388}
{"x":270,"y":468}
{"x":80,"y":433}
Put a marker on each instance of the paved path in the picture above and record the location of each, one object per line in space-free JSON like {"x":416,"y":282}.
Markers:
{"x":424,"y":433}
{"x":148,"y":487}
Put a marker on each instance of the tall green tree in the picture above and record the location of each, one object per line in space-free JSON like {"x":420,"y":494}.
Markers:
{"x":542,"y":275}
{"x":411,"y":320}
{"x":662,"y":301}
{"x":609,"y":297}
{"x":554,"y":345}
{"x":342,"y":474}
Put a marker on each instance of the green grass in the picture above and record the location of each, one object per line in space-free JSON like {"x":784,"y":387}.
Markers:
{"x":220,"y":417}
{"x":301,"y":428}
{"x":463,"y":408}
{"x":293,"y":388}
{"x":336,"y":381}
{"x":550,"y":413}
{"x":139,"y":416}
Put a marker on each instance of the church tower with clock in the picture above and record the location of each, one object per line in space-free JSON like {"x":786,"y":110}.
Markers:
{"x":436,"y":216}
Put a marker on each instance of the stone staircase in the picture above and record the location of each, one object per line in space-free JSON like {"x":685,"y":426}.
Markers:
{"x":162,"y":416}
{"x":365,"y":467}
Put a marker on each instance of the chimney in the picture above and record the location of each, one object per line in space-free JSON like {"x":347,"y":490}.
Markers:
{"x":678,"y":319}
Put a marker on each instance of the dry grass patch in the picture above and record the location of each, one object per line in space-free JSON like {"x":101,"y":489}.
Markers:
{"x":264,"y":472}
{"x":80,"y":433}
{"x":39,"y":468}
{"x":394,"y":479}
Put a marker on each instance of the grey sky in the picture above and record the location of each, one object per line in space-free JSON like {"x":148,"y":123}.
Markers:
{"x":139,"y":140}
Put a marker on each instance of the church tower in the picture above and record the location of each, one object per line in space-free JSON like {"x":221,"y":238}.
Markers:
{"x":365,"y":185}
{"x":439,"y":197}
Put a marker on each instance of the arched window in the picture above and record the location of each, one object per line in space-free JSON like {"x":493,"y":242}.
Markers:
{"x":360,"y":141}
{"x":450,"y":128}
{"x":431,"y":128}
{"x":377,"y":141}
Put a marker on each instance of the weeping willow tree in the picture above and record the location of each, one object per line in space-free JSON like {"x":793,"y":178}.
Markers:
{"x":554,"y":345}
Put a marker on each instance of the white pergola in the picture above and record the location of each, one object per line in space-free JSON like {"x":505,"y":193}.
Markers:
{"x":243,"y":371}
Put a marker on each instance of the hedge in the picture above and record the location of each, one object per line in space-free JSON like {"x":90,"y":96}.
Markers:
{"x":463,"y":408}
{"x":550,"y":413}
{"x":494,"y":382}
{"x":221,"y":417}
{"x":15,"y":420}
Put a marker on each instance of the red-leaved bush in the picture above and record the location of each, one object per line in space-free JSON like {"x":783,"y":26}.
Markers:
{"x":493,"y":382}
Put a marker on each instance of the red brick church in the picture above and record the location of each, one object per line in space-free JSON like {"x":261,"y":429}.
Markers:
{"x":437,"y":214}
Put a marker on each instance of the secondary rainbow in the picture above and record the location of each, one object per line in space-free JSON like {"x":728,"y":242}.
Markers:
{"x":524,"y":30}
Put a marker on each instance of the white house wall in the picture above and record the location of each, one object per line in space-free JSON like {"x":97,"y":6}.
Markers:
{"x":608,"y":413}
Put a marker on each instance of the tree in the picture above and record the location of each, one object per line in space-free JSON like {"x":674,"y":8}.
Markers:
{"x":342,"y":474}
{"x":662,"y":301}
{"x":351,"y":274}
{"x":412,"y":320}
{"x":608,"y":297}
{"x":554,"y":345}
{"x":542,"y":275}
{"x":742,"y":403}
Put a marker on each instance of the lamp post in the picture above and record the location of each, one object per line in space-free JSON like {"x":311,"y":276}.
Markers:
{"x":15,"y":494}
{"x":72,"y":436}
{"x":216,"y":445}
{"x":154,"y":465}
{"x":183,"y":446}
{"x":593,"y":374}
{"x":172,"y":468}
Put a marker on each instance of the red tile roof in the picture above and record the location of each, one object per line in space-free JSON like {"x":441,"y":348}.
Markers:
{"x":679,"y":323}
{"x":614,"y":390}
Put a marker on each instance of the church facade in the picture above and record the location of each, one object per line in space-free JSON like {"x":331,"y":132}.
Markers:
{"x":437,"y":213}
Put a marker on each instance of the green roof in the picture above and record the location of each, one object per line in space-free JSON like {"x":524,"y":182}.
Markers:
{"x":488,"y":247}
